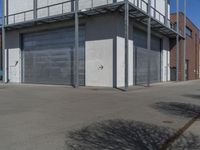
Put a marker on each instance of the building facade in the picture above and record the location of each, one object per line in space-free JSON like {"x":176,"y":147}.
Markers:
{"x":191,"y":62}
{"x":113,"y":47}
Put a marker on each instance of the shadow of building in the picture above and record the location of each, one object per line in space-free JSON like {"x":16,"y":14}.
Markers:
{"x":193,"y":96}
{"x":180,"y":109}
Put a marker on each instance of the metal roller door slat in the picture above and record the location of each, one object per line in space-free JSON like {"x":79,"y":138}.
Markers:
{"x":48,"y":57}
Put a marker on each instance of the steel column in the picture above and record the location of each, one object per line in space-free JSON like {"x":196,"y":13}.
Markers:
{"x":167,"y":24}
{"x":4,"y":61}
{"x":126,"y":34}
{"x":76,"y":49}
{"x":185,"y":41}
{"x":166,"y":12}
{"x":149,"y":43}
{"x":7,"y":12}
{"x":35,"y":9}
{"x":177,"y":40}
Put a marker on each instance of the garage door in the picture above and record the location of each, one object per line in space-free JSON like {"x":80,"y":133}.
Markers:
{"x":48,"y":57}
{"x":141,"y":58}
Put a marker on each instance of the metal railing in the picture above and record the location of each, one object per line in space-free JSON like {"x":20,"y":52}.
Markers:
{"x":19,"y":17}
{"x":41,"y":12}
{"x":143,"y":6}
{"x":84,"y":5}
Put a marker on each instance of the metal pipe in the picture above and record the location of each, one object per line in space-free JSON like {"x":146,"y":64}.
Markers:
{"x":185,"y":41}
{"x":149,"y":44}
{"x":76,"y":50}
{"x":177,"y":40}
{"x":126,"y":32}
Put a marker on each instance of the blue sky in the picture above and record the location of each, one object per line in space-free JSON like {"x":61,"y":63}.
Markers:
{"x":193,"y":9}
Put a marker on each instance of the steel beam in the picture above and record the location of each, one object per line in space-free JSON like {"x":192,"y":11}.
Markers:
{"x":185,"y":41}
{"x":177,"y":40}
{"x":126,"y":34}
{"x":149,"y":43}
{"x":76,"y":48}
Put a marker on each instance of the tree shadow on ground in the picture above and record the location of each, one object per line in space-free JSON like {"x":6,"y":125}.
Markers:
{"x":193,"y":96}
{"x":128,"y":135}
{"x":181,"y":109}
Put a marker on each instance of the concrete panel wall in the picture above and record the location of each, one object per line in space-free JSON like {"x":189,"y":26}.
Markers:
{"x":160,"y":7}
{"x":165,"y":60}
{"x":100,"y":45}
{"x":99,"y":67}
{"x":14,"y":57}
{"x":120,"y":54}
{"x":60,"y":7}
{"x":14,"y":65}
{"x":17,"y":6}
{"x":121,"y":62}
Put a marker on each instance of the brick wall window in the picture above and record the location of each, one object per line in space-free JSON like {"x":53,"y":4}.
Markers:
{"x":188,"y":31}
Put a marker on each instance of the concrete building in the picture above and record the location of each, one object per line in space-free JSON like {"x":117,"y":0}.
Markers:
{"x":110,"y":43}
{"x":191,"y":61}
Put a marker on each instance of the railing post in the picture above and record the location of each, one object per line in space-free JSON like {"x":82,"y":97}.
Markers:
{"x":149,"y":43}
{"x":76,"y":49}
{"x":177,"y":40}
{"x":126,"y":35}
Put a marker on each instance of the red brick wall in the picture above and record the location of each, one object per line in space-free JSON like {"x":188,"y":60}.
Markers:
{"x":192,"y":49}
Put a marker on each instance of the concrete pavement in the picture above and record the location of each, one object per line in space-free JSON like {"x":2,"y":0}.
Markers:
{"x":36,"y":117}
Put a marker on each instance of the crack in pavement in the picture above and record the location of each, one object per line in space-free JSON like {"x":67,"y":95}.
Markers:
{"x":179,"y":133}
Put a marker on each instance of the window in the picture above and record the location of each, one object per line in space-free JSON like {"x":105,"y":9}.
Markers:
{"x":188,"y":31}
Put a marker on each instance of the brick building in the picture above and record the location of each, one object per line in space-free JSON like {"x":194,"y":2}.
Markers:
{"x":192,"y":63}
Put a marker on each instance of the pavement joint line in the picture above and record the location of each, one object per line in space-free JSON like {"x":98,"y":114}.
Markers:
{"x":179,"y":133}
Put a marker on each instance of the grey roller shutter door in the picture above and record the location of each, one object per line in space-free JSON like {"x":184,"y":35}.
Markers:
{"x":48,"y":57}
{"x":141,"y":57}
